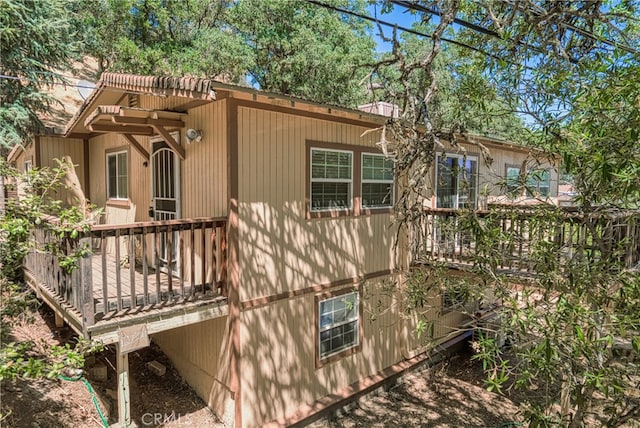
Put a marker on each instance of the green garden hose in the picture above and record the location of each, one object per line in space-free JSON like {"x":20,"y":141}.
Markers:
{"x":93,"y":395}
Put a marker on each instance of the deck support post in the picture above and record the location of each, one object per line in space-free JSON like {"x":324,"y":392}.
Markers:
{"x":58,"y":319}
{"x":86,"y":286}
{"x":124,"y":398}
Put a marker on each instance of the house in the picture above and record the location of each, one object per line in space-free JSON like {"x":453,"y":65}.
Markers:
{"x":251,"y":235}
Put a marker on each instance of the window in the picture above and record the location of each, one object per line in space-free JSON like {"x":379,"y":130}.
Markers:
{"x":117,"y":176}
{"x":456,"y":181}
{"x":331,"y":179}
{"x":377,"y":181}
{"x":513,"y":180}
{"x":538,"y":182}
{"x":28,"y":166}
{"x":338,"y":324}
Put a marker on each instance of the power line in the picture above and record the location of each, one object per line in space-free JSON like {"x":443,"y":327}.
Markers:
{"x":412,"y":31}
{"x":7,"y":77}
{"x":477,"y":28}
{"x":586,"y":33}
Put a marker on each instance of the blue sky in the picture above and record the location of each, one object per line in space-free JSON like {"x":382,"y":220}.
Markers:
{"x":398,"y":15}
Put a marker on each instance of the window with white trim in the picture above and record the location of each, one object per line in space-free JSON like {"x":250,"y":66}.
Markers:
{"x":28,"y":166}
{"x":117,"y":175}
{"x":377,"y":181}
{"x":338,"y":324}
{"x":456,"y":181}
{"x":331,"y":179}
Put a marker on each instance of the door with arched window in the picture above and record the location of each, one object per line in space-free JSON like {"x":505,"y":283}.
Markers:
{"x":165,"y":200}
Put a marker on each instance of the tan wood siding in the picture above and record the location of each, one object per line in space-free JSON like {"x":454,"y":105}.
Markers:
{"x":280,"y":249}
{"x":198,"y":352}
{"x":139,"y":192}
{"x":278,"y":354}
{"x":161,"y":103}
{"x":52,"y":148}
{"x":27,"y":155}
{"x":204,"y":169}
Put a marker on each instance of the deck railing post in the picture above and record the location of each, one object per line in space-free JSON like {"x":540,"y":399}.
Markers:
{"x":86,"y":284}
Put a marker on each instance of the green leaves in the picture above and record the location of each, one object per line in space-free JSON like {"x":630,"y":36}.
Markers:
{"x":37,"y":43}
{"x":291,"y":47}
{"x":22,"y":215}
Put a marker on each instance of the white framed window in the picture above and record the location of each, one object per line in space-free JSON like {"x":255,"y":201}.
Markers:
{"x":117,"y":175}
{"x":456,"y":181}
{"x":377,"y":181}
{"x":338,"y":324}
{"x":27,"y":167}
{"x":331,"y":179}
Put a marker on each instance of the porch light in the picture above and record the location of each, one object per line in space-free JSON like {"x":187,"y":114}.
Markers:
{"x":193,"y":135}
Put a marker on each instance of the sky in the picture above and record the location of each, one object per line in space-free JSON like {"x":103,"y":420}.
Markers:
{"x":398,"y":16}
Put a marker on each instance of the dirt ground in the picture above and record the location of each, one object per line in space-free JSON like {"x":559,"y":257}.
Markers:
{"x":158,"y":401}
{"x":449,"y":394}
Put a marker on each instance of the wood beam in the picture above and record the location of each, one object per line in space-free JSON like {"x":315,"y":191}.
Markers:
{"x":168,"y":138}
{"x":189,"y":105}
{"x":124,"y":120}
{"x":119,"y":129}
{"x":136,"y":145}
{"x":160,"y":320}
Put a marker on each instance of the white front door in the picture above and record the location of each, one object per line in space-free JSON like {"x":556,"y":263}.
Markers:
{"x":165,"y":199}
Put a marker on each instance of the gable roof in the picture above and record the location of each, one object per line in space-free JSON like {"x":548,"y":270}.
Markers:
{"x":208,"y":90}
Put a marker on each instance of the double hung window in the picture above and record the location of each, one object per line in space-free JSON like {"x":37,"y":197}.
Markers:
{"x":331,"y":179}
{"x":377,"y":181}
{"x":338,"y":324}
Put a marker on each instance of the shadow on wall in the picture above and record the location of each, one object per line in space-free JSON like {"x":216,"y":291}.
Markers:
{"x":281,"y":252}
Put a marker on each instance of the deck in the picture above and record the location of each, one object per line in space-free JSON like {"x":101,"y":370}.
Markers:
{"x":160,"y":274}
{"x":527,"y":237}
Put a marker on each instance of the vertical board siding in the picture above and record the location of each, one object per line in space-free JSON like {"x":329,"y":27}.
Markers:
{"x":27,"y":155}
{"x":52,"y":148}
{"x":139,"y":180}
{"x":196,"y":351}
{"x":204,"y":169}
{"x":284,"y":250}
{"x":204,"y":175}
{"x":278,"y":363}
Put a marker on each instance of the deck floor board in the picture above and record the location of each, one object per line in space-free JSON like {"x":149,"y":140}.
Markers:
{"x":166,"y":292}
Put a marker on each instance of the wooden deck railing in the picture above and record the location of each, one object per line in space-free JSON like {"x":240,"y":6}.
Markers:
{"x":461,"y":238}
{"x":130,"y":267}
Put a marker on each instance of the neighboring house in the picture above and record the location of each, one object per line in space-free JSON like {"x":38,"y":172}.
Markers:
{"x":239,"y":230}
